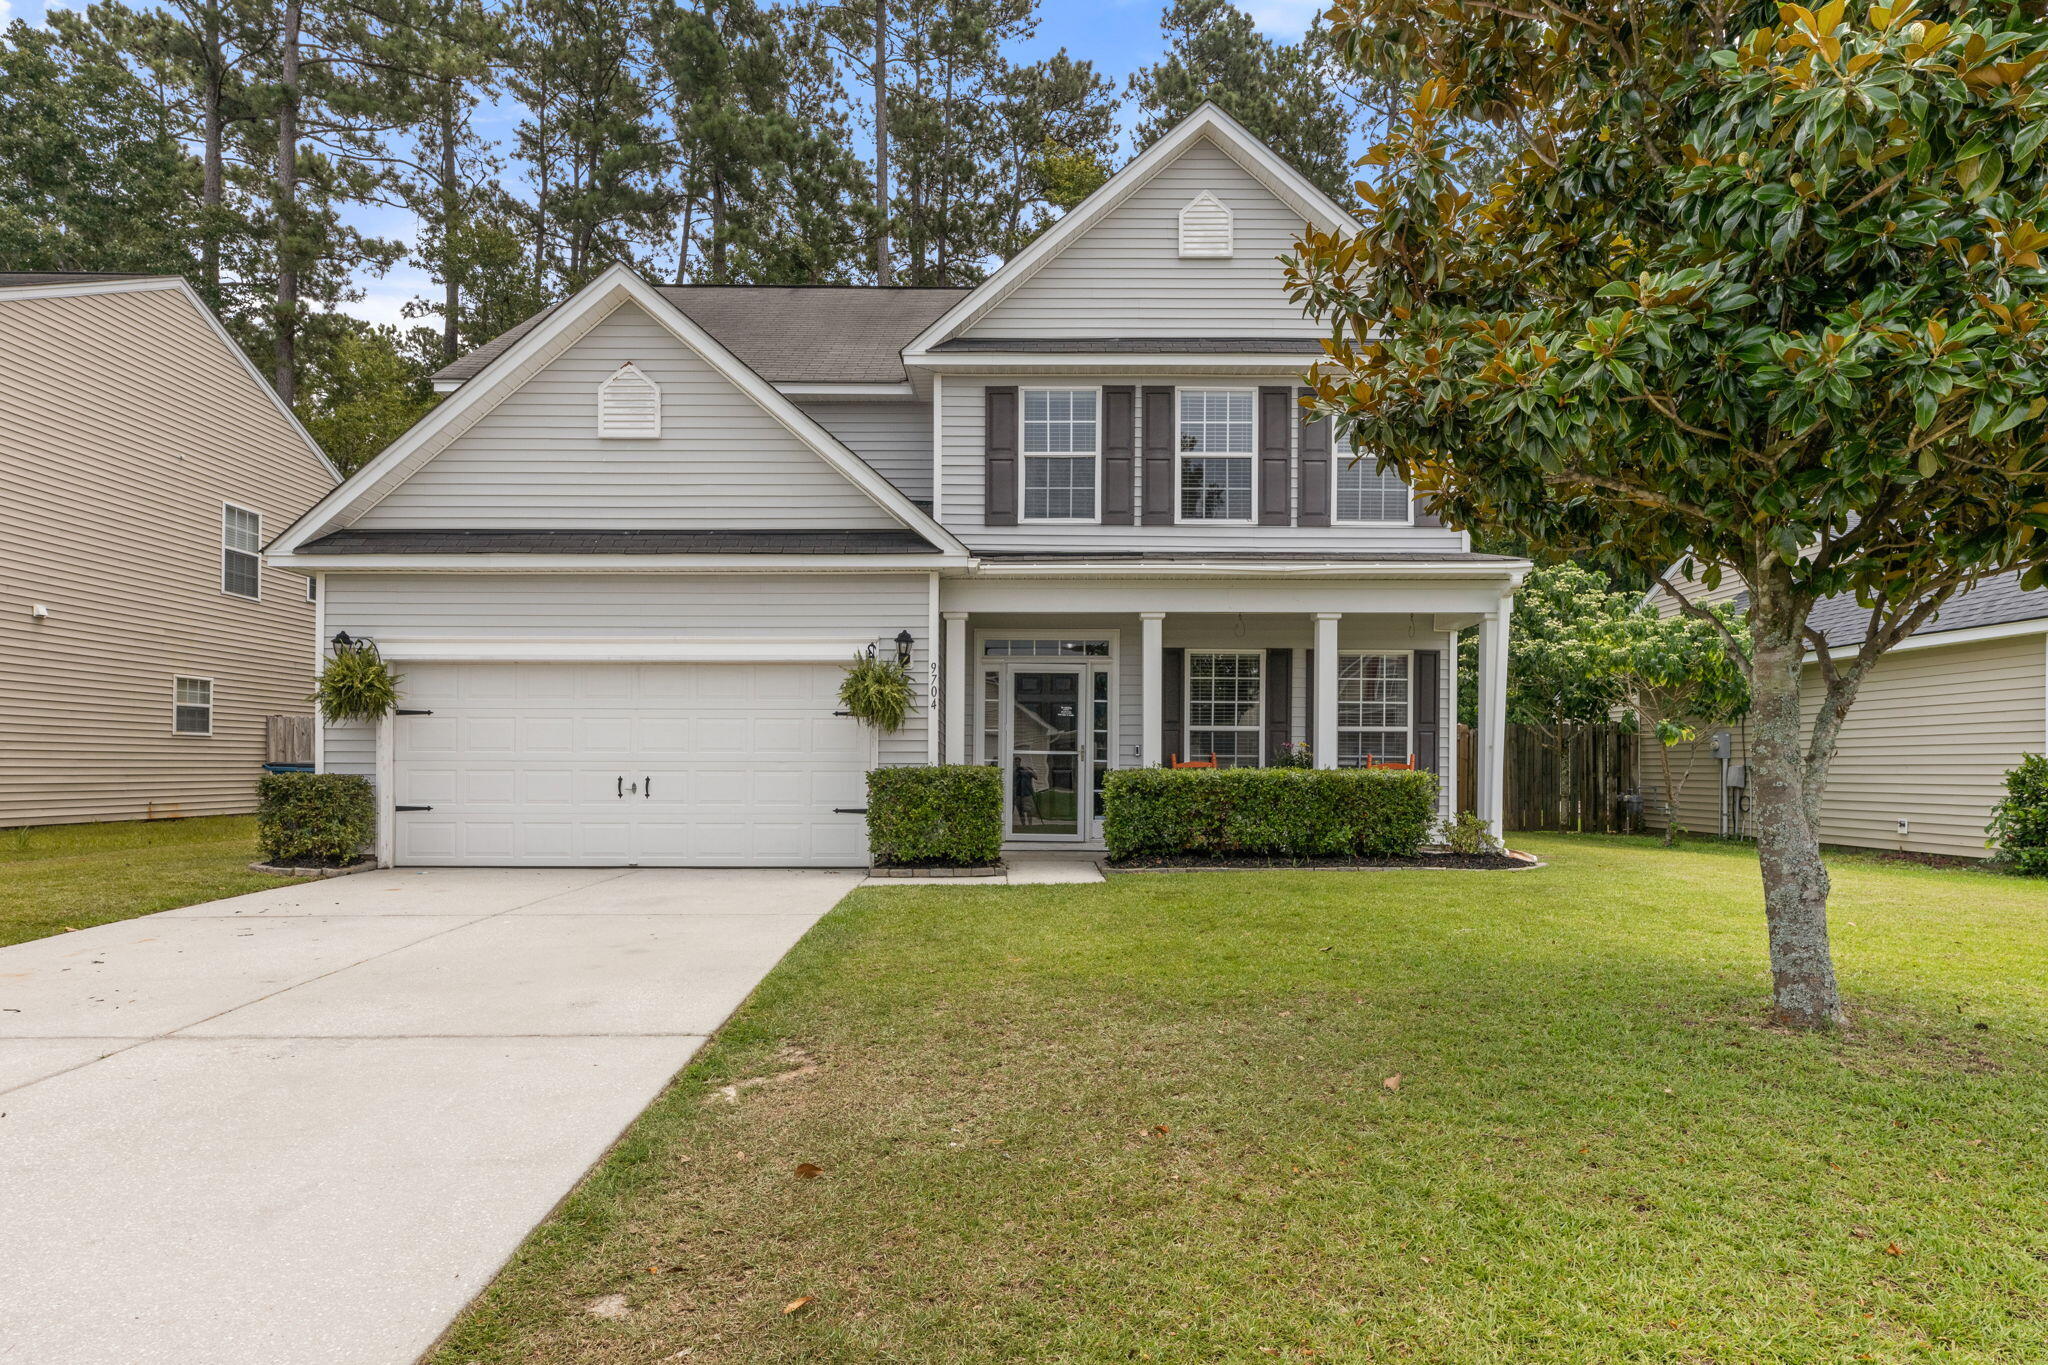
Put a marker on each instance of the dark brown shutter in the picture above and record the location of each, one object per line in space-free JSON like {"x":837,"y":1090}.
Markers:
{"x":1315,"y":471}
{"x":1308,"y":730}
{"x":1173,"y":730}
{"x":1275,"y":454}
{"x":1159,"y":447}
{"x":1119,"y":455}
{"x":999,"y":456}
{"x":1279,"y":688}
{"x":1429,"y":709}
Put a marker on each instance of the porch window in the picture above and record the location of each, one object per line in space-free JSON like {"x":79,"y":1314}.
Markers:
{"x":1226,"y":707}
{"x":1217,"y":452}
{"x":1375,"y":709}
{"x":1060,"y":450}
{"x":1045,"y":649}
{"x":1368,"y":492}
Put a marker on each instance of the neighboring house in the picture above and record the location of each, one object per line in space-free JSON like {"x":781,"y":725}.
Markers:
{"x":623,"y":565}
{"x":143,"y":465}
{"x":1923,"y":756}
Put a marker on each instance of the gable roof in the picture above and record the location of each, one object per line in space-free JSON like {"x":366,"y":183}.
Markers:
{"x":17,"y":285}
{"x":1209,"y":123}
{"x":542,"y":342}
{"x":1843,"y":623}
{"x":827,"y":334}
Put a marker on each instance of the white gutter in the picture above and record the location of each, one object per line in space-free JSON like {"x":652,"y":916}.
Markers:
{"x":1514,"y":571}
{"x":613,"y":564}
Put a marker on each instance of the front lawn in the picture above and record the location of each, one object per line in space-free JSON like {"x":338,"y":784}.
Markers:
{"x":1337,"y":1116}
{"x":58,"y":877}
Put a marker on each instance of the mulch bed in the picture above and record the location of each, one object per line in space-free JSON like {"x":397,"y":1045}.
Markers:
{"x":1472,"y":862}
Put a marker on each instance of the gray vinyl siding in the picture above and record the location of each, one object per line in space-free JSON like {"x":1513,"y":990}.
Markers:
{"x":126,"y":421}
{"x":656,"y":606}
{"x":1198,"y":631}
{"x":535,"y":459}
{"x":894,"y":436}
{"x":1929,"y":740}
{"x":964,"y":431}
{"x":1124,"y":276}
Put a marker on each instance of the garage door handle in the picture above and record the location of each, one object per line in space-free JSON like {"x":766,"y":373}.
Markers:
{"x":646,"y":787}
{"x":622,"y":786}
{"x":401,"y":711}
{"x":849,"y":810}
{"x":407,"y":808}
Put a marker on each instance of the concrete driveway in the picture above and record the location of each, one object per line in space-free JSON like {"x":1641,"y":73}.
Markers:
{"x":307,"y":1125}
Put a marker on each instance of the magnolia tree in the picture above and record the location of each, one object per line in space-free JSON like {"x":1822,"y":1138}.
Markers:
{"x":1761,"y":296}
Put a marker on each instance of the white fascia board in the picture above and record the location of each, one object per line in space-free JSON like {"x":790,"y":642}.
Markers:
{"x":823,"y":389}
{"x":623,"y":649}
{"x":191,"y":295}
{"x":504,"y":374}
{"x":1970,"y":635}
{"x":448,"y":385}
{"x":1231,"y":362}
{"x":1510,"y":573}
{"x":614,"y":564}
{"x":1232,"y":137}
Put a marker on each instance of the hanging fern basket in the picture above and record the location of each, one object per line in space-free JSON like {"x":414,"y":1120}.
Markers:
{"x":356,"y":685}
{"x":877,"y":692}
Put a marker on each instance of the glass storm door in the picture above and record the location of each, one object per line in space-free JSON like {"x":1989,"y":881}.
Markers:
{"x":1047,"y":753}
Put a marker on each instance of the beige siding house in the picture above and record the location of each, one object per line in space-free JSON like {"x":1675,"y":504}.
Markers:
{"x":1923,"y":757}
{"x":143,"y":465}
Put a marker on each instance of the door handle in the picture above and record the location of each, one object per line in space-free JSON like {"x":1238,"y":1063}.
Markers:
{"x":622,"y":787}
{"x":646,"y":787}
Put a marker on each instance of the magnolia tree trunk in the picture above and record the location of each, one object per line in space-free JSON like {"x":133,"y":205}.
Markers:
{"x":1803,"y":988}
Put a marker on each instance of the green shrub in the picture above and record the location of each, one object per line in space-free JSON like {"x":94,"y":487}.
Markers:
{"x":1267,"y":812}
{"x":327,"y":818}
{"x":2019,"y":823}
{"x":951,"y":815}
{"x":1468,"y":834}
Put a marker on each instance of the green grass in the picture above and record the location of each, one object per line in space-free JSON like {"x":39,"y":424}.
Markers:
{"x":1150,"y":1121}
{"x":58,"y":877}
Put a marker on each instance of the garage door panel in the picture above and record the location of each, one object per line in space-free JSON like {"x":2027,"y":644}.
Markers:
{"x":736,"y":764}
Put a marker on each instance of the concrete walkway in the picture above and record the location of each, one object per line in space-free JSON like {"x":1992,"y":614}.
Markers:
{"x":308,"y":1125}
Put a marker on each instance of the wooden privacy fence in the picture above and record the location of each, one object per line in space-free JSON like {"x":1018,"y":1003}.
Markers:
{"x":1575,"y":778}
{"x":288,"y":739}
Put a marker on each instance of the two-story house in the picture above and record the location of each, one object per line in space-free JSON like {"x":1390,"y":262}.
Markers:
{"x":623,"y":565}
{"x":143,"y":465}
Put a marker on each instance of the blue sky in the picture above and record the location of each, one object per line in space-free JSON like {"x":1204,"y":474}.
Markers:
{"x":1119,"y":36}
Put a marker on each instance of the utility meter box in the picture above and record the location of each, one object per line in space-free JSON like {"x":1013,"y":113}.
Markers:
{"x":1738,"y":774}
{"x":1723,"y":745}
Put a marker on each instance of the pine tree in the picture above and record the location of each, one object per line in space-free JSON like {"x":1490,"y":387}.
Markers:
{"x":1280,"y":91}
{"x":1058,"y":120}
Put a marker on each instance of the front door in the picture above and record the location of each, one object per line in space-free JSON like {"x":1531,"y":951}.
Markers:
{"x":1048,"y":765}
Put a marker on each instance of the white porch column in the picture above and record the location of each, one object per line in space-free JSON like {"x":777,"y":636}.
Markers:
{"x":1323,"y":724}
{"x":1490,"y":798}
{"x":1151,"y":670}
{"x":959,"y":697}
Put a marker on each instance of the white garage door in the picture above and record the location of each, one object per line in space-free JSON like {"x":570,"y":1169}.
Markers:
{"x":617,"y":764}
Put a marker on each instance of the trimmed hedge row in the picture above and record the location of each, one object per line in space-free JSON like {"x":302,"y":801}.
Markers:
{"x":950,"y":815}
{"x":1267,"y":812}
{"x":325,"y":818}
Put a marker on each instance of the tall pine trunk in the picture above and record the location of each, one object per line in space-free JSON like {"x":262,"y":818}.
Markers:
{"x":451,"y":207}
{"x":1803,"y":989}
{"x":286,"y":206}
{"x":213,"y":71}
{"x":883,"y":268}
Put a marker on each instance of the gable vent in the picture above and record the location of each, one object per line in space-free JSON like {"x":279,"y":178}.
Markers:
{"x":628,"y":405}
{"x":1205,"y":228}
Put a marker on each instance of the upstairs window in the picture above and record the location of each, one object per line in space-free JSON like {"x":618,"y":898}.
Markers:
{"x":1061,"y":433}
{"x":628,"y":406}
{"x":241,"y":543}
{"x":1216,"y":455}
{"x":1369,"y":493}
{"x":1226,"y":707}
{"x":1205,"y":228}
{"x":191,"y":706}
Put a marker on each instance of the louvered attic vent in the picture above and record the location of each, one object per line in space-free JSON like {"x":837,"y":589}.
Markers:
{"x":628,"y":405}
{"x":1205,"y":228}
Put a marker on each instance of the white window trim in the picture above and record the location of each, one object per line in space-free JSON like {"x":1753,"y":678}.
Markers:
{"x":1344,"y":654}
{"x":1024,"y":457}
{"x":1180,"y":397}
{"x":257,"y":553}
{"x":177,"y":678}
{"x":1187,"y":700}
{"x":1339,"y":460}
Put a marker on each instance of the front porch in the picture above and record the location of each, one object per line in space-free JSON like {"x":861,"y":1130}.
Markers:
{"x":1236,"y":673}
